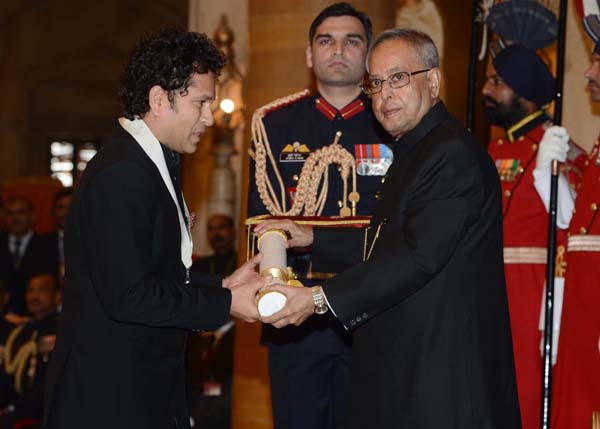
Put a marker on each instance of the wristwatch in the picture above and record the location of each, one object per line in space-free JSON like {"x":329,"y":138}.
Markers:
{"x":319,"y":300}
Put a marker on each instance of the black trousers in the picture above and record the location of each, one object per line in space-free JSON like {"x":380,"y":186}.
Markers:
{"x":309,"y":390}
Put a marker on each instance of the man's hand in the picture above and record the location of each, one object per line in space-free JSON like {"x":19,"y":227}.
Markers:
{"x":554,"y":145}
{"x":243,"y":298}
{"x":244,"y":283}
{"x":298,"y":307}
{"x":244,"y":274}
{"x":300,"y":235}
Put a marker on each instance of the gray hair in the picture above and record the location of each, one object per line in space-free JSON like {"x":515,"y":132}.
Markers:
{"x":419,"y":41}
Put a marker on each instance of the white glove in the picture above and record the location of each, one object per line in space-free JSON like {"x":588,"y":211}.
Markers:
{"x":554,"y":145}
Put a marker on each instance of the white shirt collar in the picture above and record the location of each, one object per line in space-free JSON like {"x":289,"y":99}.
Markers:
{"x":139,"y":130}
{"x":23,"y":242}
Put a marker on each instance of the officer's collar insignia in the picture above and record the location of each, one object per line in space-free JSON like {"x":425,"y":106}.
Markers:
{"x":525,"y":125}
{"x":347,"y":112}
{"x":508,"y":169}
{"x":295,"y":152}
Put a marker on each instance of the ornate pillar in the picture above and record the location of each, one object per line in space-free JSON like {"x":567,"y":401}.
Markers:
{"x":211,"y":176}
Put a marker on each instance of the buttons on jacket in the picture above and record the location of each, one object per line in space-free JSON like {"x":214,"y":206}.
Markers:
{"x":378,"y":195}
{"x":360,"y":318}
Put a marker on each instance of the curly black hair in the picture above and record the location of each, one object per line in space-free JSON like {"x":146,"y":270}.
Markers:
{"x":167,"y":58}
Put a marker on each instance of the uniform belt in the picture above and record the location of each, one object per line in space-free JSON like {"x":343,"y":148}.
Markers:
{"x":525,"y":255}
{"x":584,"y":243}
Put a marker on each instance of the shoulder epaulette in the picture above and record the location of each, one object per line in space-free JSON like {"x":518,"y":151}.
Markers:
{"x":262,"y":111}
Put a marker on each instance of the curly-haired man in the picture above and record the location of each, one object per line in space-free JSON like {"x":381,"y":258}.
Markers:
{"x":129,"y":294}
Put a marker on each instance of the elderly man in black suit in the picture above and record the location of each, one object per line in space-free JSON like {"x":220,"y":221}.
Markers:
{"x":129,"y":297}
{"x":432,"y":342}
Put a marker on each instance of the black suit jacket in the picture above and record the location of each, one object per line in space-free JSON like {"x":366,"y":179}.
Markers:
{"x":50,"y":244}
{"x":119,"y":356}
{"x":432,"y":343}
{"x":35,"y":260}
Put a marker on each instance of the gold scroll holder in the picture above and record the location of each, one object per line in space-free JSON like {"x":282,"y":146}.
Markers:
{"x":287,"y":276}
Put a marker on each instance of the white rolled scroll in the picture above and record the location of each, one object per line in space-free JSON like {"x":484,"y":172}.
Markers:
{"x":274,"y":262}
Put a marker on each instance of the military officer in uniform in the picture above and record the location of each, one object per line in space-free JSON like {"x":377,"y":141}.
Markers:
{"x":309,"y":365}
{"x":518,"y":87}
{"x":576,"y":387}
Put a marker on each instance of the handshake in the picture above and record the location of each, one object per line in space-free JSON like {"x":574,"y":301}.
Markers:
{"x":246,"y":282}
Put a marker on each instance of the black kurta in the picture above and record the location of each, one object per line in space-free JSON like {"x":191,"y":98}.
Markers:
{"x":432,"y":346}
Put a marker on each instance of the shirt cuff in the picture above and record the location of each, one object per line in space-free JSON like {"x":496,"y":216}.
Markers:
{"x":330,"y":307}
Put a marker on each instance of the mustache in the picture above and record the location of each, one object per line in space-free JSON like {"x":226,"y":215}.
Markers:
{"x":593,"y":82}
{"x":489,"y":100}
{"x":218,"y":239}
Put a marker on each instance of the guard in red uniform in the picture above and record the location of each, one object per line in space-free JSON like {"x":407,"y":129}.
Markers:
{"x":518,"y":86}
{"x":576,"y":388}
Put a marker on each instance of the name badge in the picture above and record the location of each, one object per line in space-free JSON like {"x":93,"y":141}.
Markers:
{"x":372,"y":159}
{"x":295,"y":152}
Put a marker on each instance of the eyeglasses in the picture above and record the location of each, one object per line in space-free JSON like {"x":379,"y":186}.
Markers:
{"x":396,"y":80}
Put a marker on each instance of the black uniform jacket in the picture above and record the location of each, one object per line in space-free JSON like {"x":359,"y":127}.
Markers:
{"x":119,"y":356}
{"x":312,"y":122}
{"x":432,"y":343}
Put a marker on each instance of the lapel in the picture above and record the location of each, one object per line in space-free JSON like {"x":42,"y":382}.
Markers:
{"x":394,"y":197}
{"x":151,"y":147}
{"x":436,"y":115}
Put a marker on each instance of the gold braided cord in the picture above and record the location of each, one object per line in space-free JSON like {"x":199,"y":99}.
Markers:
{"x":16,"y":365}
{"x":309,"y":199}
{"x":358,"y":221}
{"x":262,"y":149}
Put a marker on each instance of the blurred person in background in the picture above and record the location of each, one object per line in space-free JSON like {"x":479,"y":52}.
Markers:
{"x":209,"y":355}
{"x":54,"y":241}
{"x":27,"y":351}
{"x":21,"y":252}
